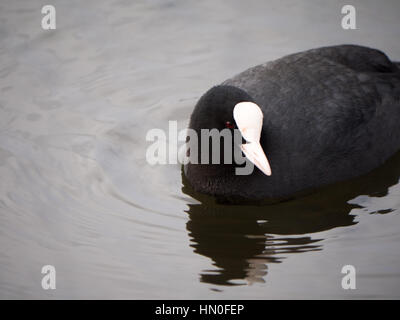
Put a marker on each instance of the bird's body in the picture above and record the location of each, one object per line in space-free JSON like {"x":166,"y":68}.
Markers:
{"x":330,"y":114}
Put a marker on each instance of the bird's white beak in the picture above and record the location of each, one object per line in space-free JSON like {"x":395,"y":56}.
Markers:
{"x":249,"y":119}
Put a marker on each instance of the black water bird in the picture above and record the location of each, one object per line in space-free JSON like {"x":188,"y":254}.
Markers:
{"x":308,"y":119}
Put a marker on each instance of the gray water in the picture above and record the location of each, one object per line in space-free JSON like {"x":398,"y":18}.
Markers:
{"x":77,"y":193}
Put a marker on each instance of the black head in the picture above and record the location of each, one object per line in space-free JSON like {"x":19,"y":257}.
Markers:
{"x":214,"y":110}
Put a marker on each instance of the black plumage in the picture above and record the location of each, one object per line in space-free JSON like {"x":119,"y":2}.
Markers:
{"x":330,"y":114}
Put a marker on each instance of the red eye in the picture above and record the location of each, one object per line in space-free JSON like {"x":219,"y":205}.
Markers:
{"x":229,"y":125}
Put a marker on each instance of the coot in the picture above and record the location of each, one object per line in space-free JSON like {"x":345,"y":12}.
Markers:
{"x":307,"y":120}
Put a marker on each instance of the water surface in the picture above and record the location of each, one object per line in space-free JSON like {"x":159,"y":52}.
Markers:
{"x":76,"y":191}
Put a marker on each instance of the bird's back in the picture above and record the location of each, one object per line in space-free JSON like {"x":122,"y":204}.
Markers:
{"x":329,"y":114}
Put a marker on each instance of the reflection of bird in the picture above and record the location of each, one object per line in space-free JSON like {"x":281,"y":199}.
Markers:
{"x":311,"y":119}
{"x":242,"y":240}
{"x":238,"y":241}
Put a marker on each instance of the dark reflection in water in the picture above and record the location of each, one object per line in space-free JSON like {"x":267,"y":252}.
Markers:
{"x":242,"y":240}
